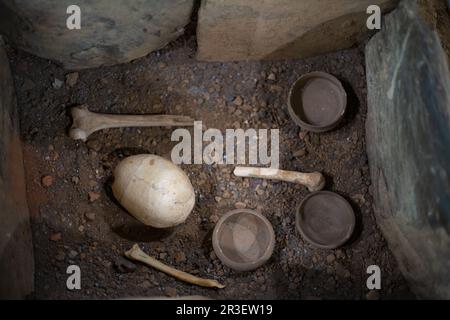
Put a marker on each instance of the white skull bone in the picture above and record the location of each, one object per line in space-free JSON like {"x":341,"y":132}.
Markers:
{"x":154,"y":190}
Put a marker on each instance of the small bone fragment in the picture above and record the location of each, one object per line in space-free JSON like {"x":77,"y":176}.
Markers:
{"x":314,"y":181}
{"x":86,"y":122}
{"x":135,"y":253}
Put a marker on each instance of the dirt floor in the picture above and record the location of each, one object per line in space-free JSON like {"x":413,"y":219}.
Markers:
{"x":76,"y":220}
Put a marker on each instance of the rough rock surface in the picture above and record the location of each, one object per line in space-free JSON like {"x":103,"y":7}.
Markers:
{"x":16,"y":250}
{"x":408,"y":138}
{"x":109,"y":34}
{"x":268,"y":29}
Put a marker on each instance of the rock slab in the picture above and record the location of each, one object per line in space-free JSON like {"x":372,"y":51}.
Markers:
{"x":278,"y":29}
{"x":408,"y":144}
{"x":111,"y":31}
{"x":16,"y":248}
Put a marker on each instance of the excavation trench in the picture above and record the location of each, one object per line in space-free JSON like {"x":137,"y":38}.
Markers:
{"x":76,"y":220}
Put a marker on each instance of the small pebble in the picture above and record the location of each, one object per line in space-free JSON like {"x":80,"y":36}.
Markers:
{"x":94,"y":145}
{"x":60,"y":256}
{"x":90,"y":216}
{"x":124,"y":266}
{"x":340,"y":254}
{"x":302,"y":134}
{"x":238,"y":101}
{"x":300,"y":153}
{"x":179,"y":256}
{"x":71,"y":79}
{"x":331,"y":258}
{"x":240,"y":205}
{"x":162,"y":255}
{"x":171,"y":292}
{"x":259,"y":191}
{"x":92,"y":183}
{"x":75,"y":180}
{"x":47,"y":181}
{"x":56,"y":236}
{"x":213,"y":218}
{"x":93,"y":196}
{"x":72,"y":254}
{"x":373,"y":295}
{"x":57,"y":84}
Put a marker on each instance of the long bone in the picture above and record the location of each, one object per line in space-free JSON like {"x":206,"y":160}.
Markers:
{"x":86,"y":122}
{"x":314,"y":181}
{"x":135,"y":253}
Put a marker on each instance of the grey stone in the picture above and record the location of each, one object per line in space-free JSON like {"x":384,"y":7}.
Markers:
{"x":254,"y":29}
{"x":110,"y":33}
{"x":90,"y":216}
{"x":72,"y":254}
{"x":124,"y":266}
{"x":408,"y":144}
{"x":57,"y":84}
{"x":16,"y":248}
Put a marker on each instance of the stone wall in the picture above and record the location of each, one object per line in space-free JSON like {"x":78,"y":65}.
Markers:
{"x":111,"y":31}
{"x":16,"y":249}
{"x":269,"y":29}
{"x":435,"y":14}
{"x":408,"y":139}
{"x":120,"y":31}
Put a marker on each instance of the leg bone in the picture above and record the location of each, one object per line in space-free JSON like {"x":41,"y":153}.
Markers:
{"x":86,"y":122}
{"x":137,"y":254}
{"x":314,"y":181}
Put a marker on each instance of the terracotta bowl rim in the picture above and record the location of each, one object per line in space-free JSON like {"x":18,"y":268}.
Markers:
{"x":243,"y":266}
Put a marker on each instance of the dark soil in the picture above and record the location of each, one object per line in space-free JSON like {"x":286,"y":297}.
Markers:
{"x":436,"y":14}
{"x":68,"y":228}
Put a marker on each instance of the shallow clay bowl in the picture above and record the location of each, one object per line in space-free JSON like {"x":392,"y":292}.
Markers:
{"x":325,"y":219}
{"x":243,"y":239}
{"x":317,"y":102}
